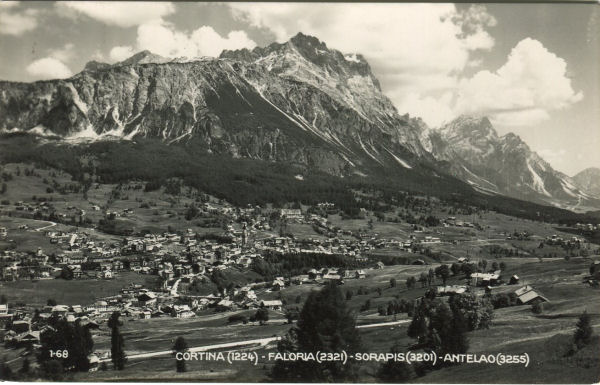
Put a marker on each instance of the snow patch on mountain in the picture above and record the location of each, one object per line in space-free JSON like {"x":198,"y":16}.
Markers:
{"x":85,"y":135}
{"x":76,"y":99}
{"x":402,"y":162}
{"x":367,"y":151}
{"x":538,"y":182}
{"x":352,"y":57}
{"x":347,"y":160}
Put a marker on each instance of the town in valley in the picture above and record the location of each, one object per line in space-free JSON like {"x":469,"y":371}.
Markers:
{"x":187,"y":264}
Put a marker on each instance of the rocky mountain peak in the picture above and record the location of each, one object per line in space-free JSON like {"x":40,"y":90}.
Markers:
{"x":283,"y":57}
{"x":588,"y":180}
{"x":514,"y":142}
{"x":95,"y":66}
{"x":590,"y":171}
{"x":143,"y":57}
{"x":475,"y":127}
{"x":504,"y":164}
{"x":302,"y":40}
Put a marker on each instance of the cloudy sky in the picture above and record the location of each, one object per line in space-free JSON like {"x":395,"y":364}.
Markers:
{"x":532,"y":68}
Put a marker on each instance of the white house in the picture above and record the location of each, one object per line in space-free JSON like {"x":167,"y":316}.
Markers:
{"x":273,"y":305}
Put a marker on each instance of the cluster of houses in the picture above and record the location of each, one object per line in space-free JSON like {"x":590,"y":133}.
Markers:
{"x":521,"y":236}
{"x":23,"y":330}
{"x":323,"y":275}
{"x":491,"y":283}
{"x":586,"y":226}
{"x":452,"y":221}
{"x":526,"y":295}
{"x":485,"y":279}
{"x":560,"y":241}
{"x":42,"y":208}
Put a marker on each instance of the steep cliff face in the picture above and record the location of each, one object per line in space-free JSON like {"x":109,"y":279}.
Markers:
{"x":336,"y":96}
{"x":503,"y":164}
{"x":297,"y":101}
{"x":206,"y":101}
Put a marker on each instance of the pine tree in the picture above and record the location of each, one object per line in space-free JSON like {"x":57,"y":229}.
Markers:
{"x":456,"y":340}
{"x":117,"y":344}
{"x":25,"y":367}
{"x":180,"y":347}
{"x":53,"y":370}
{"x":440,"y":317}
{"x":262,"y":315}
{"x":5,"y":371}
{"x":325,"y":324}
{"x":443,"y":272}
{"x":583,"y":332}
{"x":396,"y":371}
{"x":418,"y":327}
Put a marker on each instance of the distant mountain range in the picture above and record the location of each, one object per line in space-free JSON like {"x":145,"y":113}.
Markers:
{"x":298,"y":102}
{"x":505,"y":165}
{"x":589,"y":180}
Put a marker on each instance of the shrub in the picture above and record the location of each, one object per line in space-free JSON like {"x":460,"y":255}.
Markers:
{"x":537,"y":308}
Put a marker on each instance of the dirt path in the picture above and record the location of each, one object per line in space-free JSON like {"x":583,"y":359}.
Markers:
{"x":52,"y":224}
{"x":540,"y":336}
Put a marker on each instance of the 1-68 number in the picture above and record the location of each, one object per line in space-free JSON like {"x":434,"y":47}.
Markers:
{"x":59,"y":353}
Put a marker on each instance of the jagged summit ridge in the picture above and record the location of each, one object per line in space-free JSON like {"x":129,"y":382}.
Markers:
{"x":308,"y":48}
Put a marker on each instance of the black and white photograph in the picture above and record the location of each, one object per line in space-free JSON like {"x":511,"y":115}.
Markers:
{"x":300,"y":192}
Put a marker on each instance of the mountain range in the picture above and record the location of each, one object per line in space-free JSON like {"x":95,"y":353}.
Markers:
{"x":589,"y":180}
{"x":297,"y":102}
{"x":505,"y":165}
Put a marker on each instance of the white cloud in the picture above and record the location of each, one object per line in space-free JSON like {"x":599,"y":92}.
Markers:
{"x":437,"y":110}
{"x":48,"y":68}
{"x":479,"y":40}
{"x":165,"y":40}
{"x":210,"y":43}
{"x":474,"y":19}
{"x":414,"y":49}
{"x":532,"y":83}
{"x":119,"y":13}
{"x":16,"y":22}
{"x":518,"y":118}
{"x":120,"y":53}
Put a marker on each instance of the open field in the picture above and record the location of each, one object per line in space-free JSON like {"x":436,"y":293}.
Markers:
{"x":74,"y":292}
